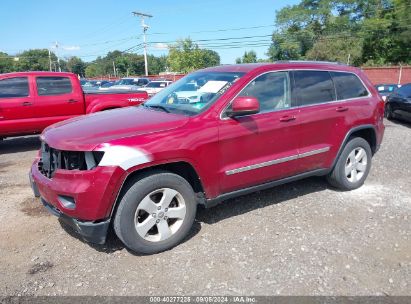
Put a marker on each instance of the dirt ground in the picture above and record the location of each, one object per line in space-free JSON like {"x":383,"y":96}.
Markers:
{"x":303,"y":238}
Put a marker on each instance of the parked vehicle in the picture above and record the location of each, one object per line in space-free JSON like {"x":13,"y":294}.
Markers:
{"x":398,"y":105}
{"x":129,"y":84}
{"x":107,"y":84}
{"x":386,"y":89}
{"x":144,"y":170}
{"x":155,"y":86}
{"x":31,"y":101}
{"x":89,"y":84}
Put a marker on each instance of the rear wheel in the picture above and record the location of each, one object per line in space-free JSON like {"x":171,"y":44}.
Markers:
{"x":353,"y":165}
{"x":156,"y":212}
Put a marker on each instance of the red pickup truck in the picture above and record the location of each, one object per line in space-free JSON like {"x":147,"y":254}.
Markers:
{"x":31,"y":101}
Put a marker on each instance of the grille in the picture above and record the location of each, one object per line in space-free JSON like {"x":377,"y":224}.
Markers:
{"x":53,"y":159}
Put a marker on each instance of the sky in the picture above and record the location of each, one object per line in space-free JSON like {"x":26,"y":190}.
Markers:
{"x":91,"y":28}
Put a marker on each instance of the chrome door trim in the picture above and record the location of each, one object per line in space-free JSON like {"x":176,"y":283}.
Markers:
{"x":277,"y":161}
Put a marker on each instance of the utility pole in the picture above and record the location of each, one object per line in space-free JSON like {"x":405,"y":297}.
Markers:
{"x":50,"y":59}
{"x":58,"y":59}
{"x":145,"y":28}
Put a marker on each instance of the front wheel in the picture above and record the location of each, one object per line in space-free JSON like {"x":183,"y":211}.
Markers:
{"x":156,"y":212}
{"x":353,"y":165}
{"x":388,"y":112}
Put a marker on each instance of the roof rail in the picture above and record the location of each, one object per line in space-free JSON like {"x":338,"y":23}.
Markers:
{"x":311,"y":62}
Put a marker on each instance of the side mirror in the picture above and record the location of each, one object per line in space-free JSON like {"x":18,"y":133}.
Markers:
{"x":243,"y":105}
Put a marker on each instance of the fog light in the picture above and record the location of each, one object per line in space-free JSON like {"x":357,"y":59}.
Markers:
{"x":67,"y":201}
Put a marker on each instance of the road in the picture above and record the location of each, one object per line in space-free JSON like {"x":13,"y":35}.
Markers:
{"x":303,"y":238}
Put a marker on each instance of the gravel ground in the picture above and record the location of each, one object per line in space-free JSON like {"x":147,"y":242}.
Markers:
{"x":297,"y":239}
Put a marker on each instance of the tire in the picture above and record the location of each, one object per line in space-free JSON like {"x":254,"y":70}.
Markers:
{"x":352,"y":166}
{"x":388,"y":112}
{"x":161,"y":200}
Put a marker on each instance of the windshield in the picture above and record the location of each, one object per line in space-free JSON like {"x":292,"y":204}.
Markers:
{"x":193,"y":93}
{"x":156,"y":85}
{"x":386,"y":88}
{"x":126,"y":82}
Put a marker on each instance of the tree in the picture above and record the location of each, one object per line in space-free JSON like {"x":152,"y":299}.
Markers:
{"x":156,"y":65}
{"x":34,"y":60}
{"x":76,"y":66}
{"x":186,"y":56}
{"x":348,"y":50}
{"x":248,"y":57}
{"x":367,"y":31}
{"x":94,"y":70}
{"x":6,"y":63}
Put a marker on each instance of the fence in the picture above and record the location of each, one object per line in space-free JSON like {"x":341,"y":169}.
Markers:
{"x":395,"y":74}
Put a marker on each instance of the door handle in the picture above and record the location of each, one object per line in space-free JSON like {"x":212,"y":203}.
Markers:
{"x":287,"y":118}
{"x":27,"y":103}
{"x":72,"y":100}
{"x":342,"y":109}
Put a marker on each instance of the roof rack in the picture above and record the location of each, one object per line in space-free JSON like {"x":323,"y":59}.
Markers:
{"x":311,"y":62}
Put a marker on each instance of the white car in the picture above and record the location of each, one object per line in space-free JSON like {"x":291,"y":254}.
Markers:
{"x":192,"y":93}
{"x":155,"y":86}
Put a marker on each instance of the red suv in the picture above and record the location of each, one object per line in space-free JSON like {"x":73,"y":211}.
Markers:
{"x":215,"y":134}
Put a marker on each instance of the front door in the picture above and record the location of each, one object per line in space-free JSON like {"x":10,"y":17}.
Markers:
{"x":261,"y":147}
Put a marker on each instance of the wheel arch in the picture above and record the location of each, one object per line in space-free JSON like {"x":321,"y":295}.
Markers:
{"x":181,"y":168}
{"x":366,"y":132}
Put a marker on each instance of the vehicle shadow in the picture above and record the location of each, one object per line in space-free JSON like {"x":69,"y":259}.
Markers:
{"x":261,"y":199}
{"x":113,"y":243}
{"x":19,"y":144}
{"x":227,"y":209}
{"x":394,"y":122}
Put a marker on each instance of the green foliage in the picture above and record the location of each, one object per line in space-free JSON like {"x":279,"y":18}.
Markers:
{"x":366,"y":31}
{"x":187,"y":56}
{"x":6,"y":63}
{"x":77,"y":66}
{"x":348,"y":50}
{"x":125,"y":63}
{"x":33,"y":60}
{"x":248,"y":57}
{"x":93,"y":70}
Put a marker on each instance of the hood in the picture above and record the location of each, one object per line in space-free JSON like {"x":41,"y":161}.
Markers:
{"x":86,"y":132}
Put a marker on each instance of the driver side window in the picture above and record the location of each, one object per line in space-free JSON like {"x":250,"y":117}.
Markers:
{"x":272,"y":90}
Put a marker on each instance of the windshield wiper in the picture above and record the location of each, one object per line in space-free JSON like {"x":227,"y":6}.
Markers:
{"x":157,"y":107}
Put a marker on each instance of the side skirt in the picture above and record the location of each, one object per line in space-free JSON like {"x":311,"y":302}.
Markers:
{"x":208,"y":203}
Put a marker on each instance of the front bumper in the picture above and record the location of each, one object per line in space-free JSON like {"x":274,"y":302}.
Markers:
{"x":93,"y":193}
{"x":90,"y":231}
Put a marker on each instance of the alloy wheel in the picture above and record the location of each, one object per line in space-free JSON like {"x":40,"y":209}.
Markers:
{"x":160,"y":214}
{"x":356,"y":165}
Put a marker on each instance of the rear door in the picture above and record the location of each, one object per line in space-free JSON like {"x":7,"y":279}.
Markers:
{"x":16,"y":105}
{"x":261,"y":147}
{"x":57,"y":98}
{"x":330,"y":103}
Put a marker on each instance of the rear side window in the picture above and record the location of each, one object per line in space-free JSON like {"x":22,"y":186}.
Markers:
{"x":47,"y":86}
{"x":313,"y":87}
{"x":14,"y":87}
{"x":348,"y":85}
